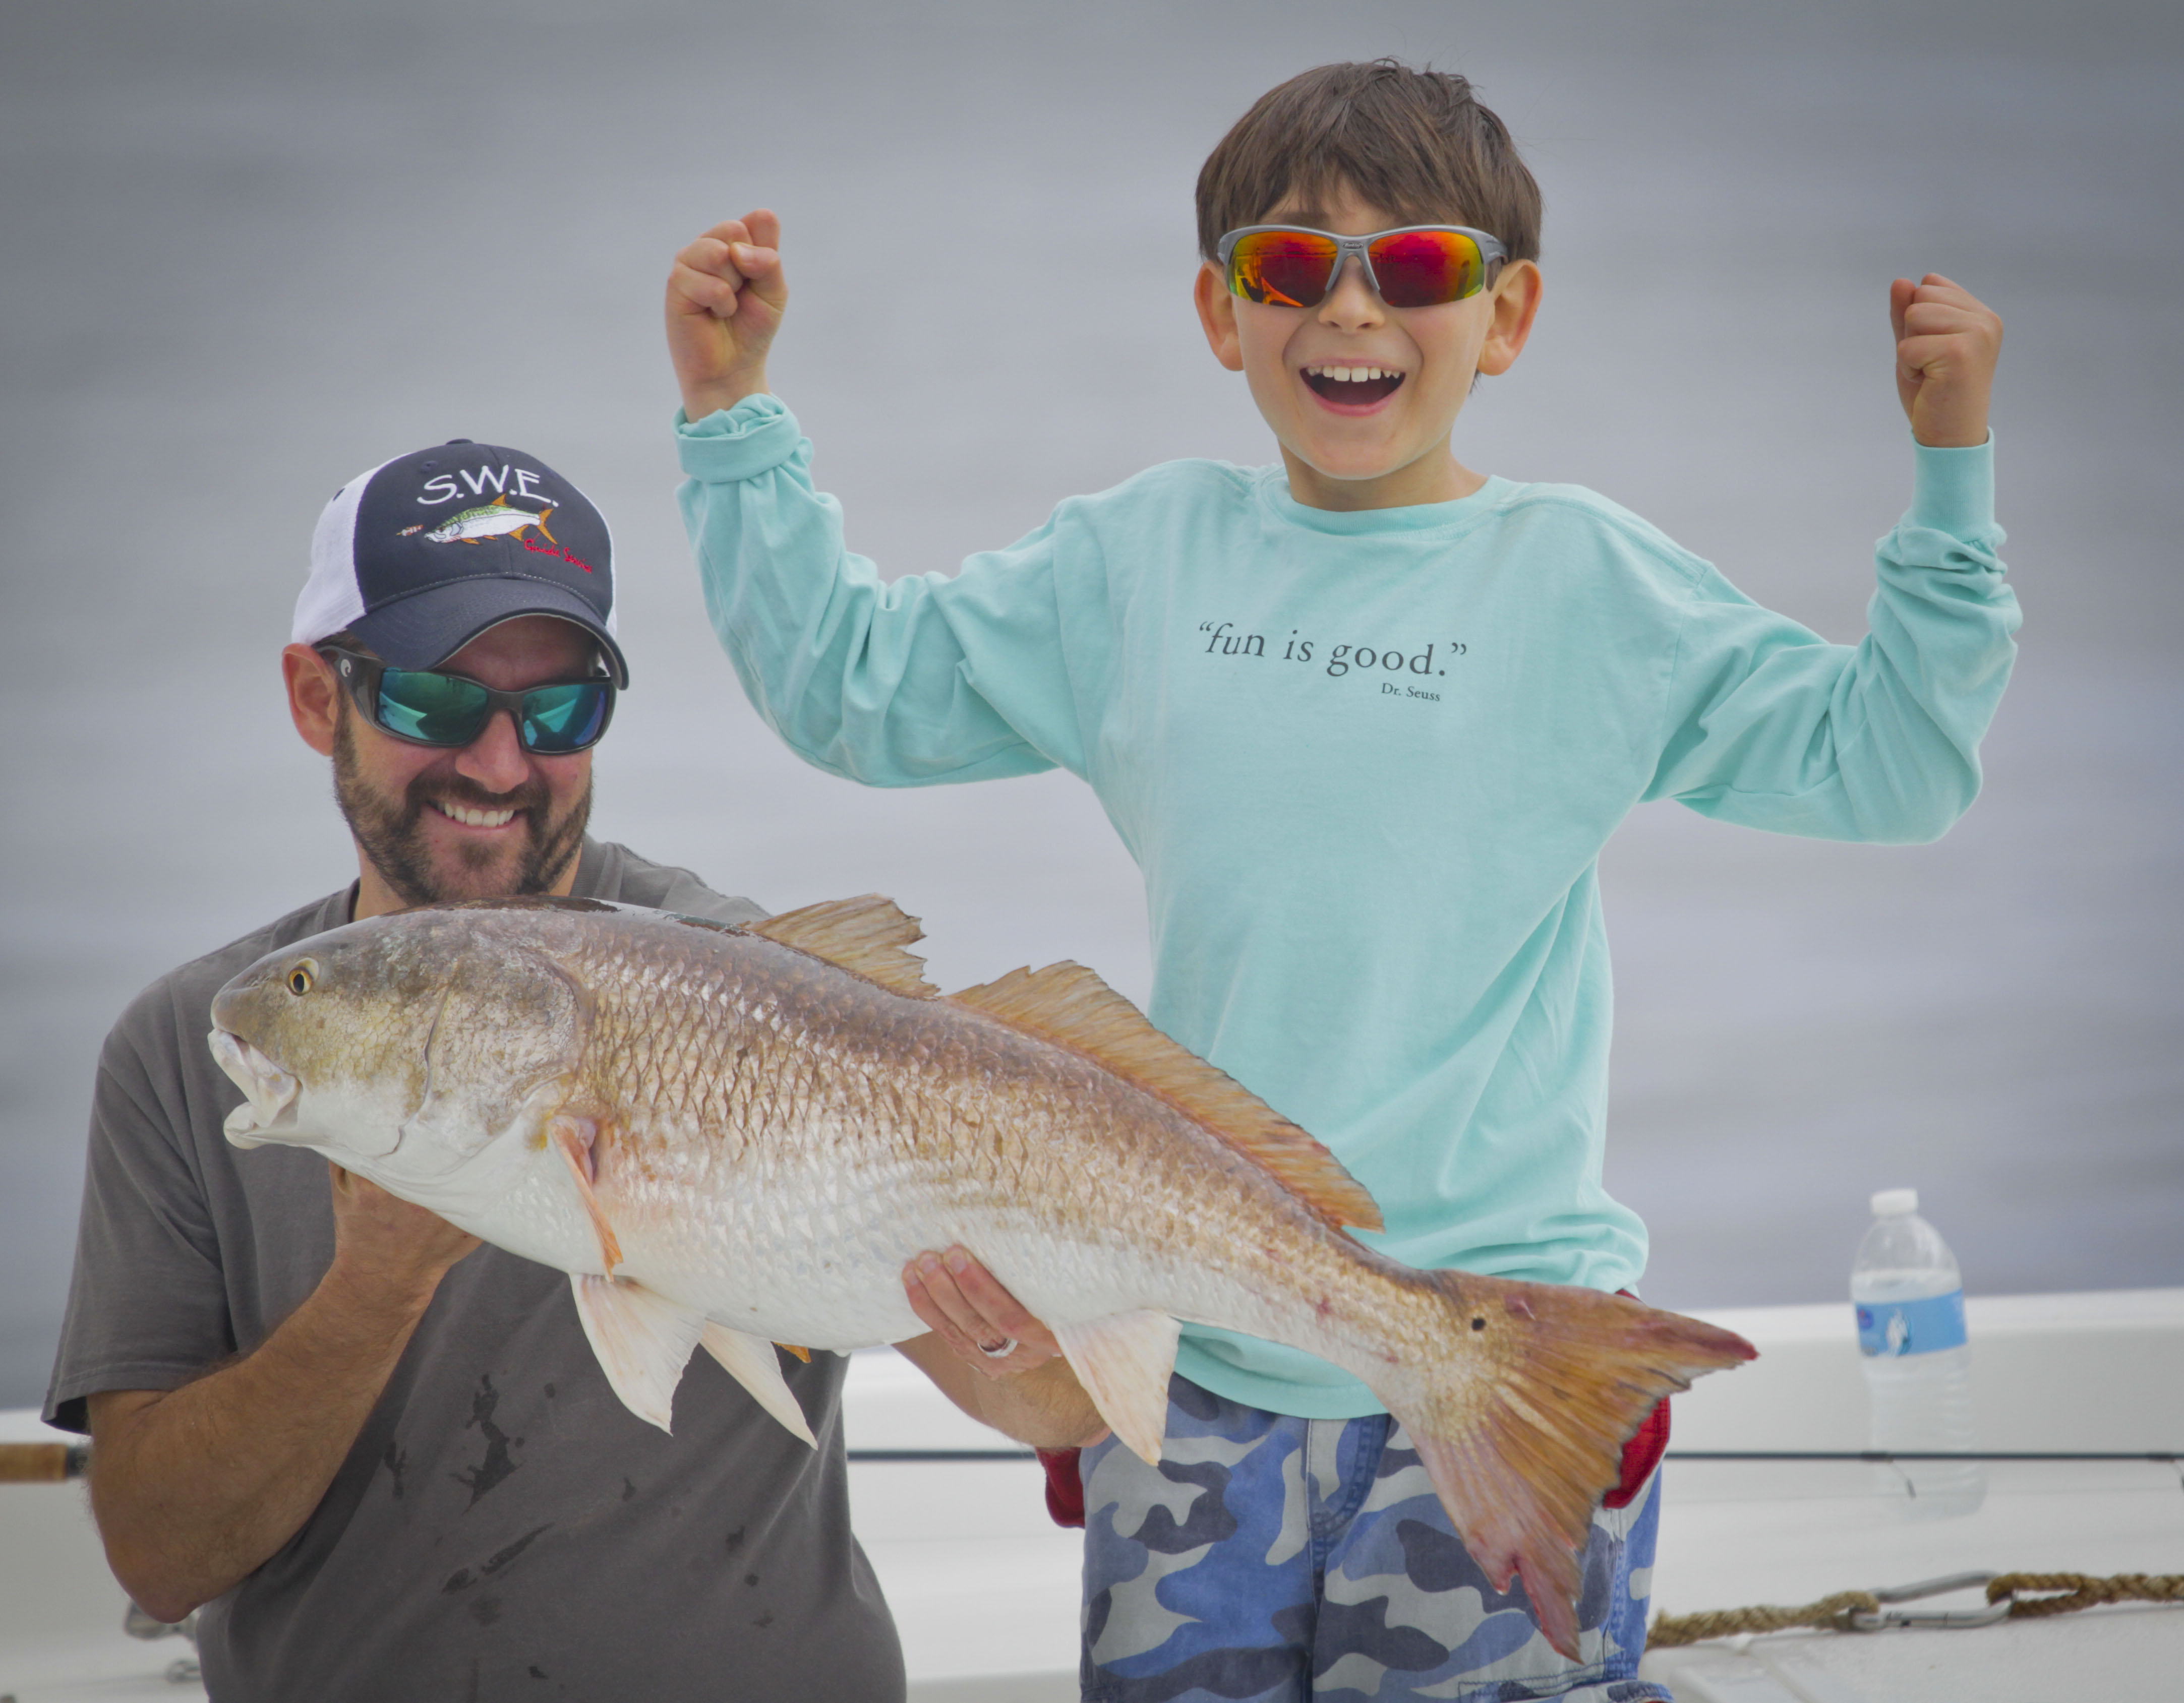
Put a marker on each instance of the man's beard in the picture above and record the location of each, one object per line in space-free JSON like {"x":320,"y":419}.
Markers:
{"x":390,"y":831}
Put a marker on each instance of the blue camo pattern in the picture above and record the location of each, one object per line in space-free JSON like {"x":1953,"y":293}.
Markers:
{"x":1273,"y":1558}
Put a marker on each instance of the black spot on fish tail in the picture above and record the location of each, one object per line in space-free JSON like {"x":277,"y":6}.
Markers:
{"x":397,"y":1462}
{"x":629,"y":1494}
{"x":735,"y":1540}
{"x":549,"y":1392}
{"x":764,"y":1620}
{"x":537,"y":1672}
{"x":751,"y":1578}
{"x":499,"y":1459}
{"x":486,"y":1610}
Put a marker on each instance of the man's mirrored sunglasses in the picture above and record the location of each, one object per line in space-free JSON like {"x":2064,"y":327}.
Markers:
{"x":426,"y":708}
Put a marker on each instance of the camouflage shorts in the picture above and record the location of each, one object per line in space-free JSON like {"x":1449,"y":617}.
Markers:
{"x":1279,"y":1559}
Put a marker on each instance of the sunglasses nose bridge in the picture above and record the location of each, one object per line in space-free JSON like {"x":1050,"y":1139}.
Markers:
{"x":1350,"y":249}
{"x":497,"y":761}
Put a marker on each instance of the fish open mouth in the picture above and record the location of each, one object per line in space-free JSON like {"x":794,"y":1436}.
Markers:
{"x":269,"y":1091}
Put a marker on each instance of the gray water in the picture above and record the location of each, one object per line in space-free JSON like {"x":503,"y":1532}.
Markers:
{"x":249,"y":250}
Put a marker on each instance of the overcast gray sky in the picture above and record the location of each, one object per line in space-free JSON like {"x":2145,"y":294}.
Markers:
{"x":251,"y":249}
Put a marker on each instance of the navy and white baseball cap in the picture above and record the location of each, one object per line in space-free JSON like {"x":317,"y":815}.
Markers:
{"x":420,"y":554}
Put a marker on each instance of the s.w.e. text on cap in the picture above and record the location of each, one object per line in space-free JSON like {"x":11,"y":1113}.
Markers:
{"x":420,"y":554}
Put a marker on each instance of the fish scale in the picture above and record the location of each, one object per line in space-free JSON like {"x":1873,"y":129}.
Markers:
{"x":731,"y":1137}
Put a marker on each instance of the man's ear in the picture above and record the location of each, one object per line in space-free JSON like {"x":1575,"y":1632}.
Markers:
{"x":313,"y":696}
{"x":1217,"y":313}
{"x":1516,"y":305}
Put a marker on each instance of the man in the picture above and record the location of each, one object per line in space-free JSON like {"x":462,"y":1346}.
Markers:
{"x":382,"y":1458}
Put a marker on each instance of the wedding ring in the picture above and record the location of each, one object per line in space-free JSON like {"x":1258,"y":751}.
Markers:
{"x":1001,"y":1349}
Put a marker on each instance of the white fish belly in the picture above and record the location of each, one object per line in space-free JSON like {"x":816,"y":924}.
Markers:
{"x":820,"y":1262}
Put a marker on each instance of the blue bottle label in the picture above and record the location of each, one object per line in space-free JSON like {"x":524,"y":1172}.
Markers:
{"x":1902,"y":1328}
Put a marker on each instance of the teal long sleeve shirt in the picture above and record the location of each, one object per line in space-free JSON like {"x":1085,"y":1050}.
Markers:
{"x":1366,"y":763}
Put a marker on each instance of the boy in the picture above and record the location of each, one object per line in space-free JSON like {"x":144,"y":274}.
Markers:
{"x":1365,"y":720}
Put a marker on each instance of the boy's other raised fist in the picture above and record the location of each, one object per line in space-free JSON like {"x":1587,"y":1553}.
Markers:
{"x":725,"y":296}
{"x":1946,"y":341}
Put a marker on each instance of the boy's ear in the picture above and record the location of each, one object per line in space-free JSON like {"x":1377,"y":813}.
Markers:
{"x":1217,"y":313}
{"x":1516,"y":305}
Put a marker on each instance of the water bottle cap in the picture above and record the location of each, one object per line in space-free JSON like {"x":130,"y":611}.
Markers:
{"x":1891,"y":1202}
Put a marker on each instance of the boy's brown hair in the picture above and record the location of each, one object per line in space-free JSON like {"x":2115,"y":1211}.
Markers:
{"x":1417,"y":144}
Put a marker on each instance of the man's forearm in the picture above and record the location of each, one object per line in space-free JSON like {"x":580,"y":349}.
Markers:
{"x":195,"y":1488}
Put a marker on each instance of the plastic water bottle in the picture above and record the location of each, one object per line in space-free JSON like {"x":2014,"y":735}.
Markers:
{"x":1910,"y":1302}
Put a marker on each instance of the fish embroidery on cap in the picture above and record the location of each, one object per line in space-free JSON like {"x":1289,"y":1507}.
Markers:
{"x":494,"y":520}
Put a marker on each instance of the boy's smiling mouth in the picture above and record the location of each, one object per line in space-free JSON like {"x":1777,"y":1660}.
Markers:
{"x":1351,"y":384}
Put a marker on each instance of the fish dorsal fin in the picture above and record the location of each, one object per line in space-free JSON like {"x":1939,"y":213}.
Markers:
{"x":866,"y":935}
{"x":1067,"y":1005}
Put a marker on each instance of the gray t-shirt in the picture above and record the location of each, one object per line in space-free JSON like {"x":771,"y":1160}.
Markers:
{"x":505,"y":1528}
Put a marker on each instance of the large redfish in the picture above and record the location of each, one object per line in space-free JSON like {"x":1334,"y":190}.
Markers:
{"x":738,"y":1136}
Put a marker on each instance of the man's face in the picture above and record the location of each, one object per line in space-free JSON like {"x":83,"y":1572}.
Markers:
{"x":485,"y":820}
{"x":1357,"y":434}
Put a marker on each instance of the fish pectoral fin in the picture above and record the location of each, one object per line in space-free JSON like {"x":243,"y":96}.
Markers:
{"x":643,"y":1339}
{"x":1124,"y":1361}
{"x":750,"y":1360}
{"x":576,"y":1138}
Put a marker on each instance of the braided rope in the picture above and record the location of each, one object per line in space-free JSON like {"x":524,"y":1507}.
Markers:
{"x":2081,"y":1590}
{"x":2053,"y":1594}
{"x":1832,"y":1613}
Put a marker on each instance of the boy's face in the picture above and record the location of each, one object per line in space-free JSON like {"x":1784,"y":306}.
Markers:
{"x":1370,"y":445}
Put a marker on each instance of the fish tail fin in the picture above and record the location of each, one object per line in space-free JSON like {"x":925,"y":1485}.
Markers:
{"x":1521,"y":1426}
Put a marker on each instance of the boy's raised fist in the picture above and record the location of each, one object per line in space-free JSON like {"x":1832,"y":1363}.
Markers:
{"x":725,"y":296}
{"x":1946,"y":341}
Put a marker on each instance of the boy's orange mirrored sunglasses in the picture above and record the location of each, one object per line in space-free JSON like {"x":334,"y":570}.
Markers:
{"x":1417,"y":266}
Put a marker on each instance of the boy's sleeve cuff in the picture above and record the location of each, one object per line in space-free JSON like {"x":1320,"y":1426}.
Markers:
{"x":1952,"y":490}
{"x":756,"y":436}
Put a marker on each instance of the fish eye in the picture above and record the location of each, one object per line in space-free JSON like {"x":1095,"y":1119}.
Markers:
{"x":302,"y":977}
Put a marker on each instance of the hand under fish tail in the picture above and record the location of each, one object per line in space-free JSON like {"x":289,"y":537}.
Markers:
{"x":1522,"y":1455}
